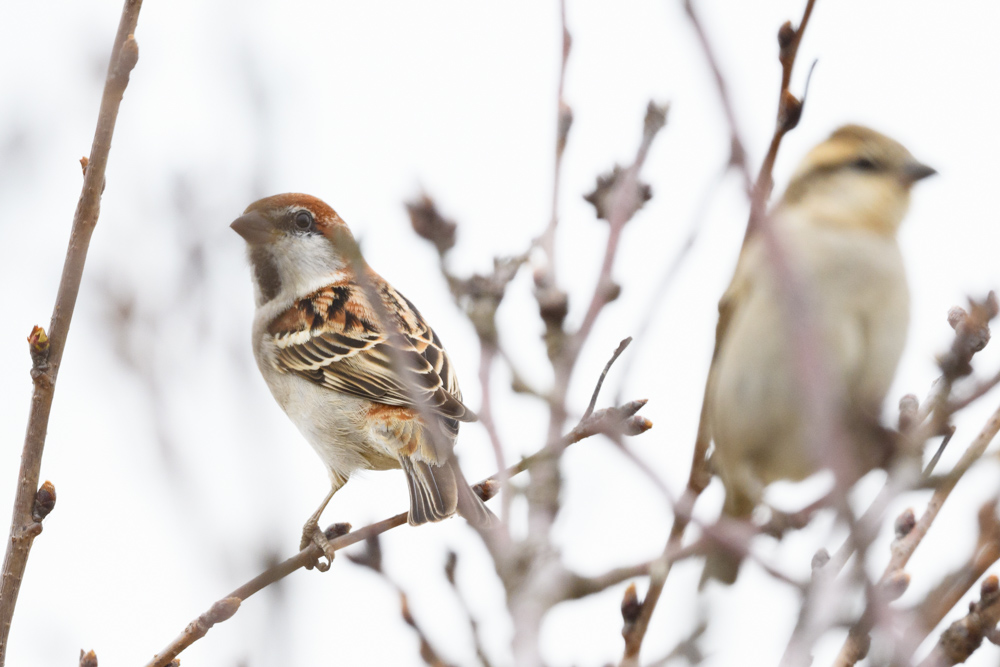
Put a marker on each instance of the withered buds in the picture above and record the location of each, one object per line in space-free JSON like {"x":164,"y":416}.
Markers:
{"x":429,"y":224}
{"x":610,"y":194}
{"x":88,"y":659}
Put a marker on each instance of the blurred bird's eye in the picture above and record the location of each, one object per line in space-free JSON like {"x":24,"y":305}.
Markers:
{"x":303,"y":221}
{"x":864,"y":164}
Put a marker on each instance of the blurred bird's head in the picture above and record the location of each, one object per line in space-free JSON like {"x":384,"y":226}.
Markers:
{"x":295,"y":243}
{"x":858,"y":178}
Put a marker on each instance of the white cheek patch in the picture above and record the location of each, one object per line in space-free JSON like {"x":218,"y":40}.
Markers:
{"x":307,"y":262}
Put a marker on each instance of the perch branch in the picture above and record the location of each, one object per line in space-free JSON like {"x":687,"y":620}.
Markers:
{"x":622,"y":419}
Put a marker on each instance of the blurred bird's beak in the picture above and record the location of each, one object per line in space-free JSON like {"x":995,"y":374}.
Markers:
{"x":255,"y":228}
{"x":916,"y":171}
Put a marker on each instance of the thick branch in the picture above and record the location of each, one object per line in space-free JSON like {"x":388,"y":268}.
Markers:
{"x":24,"y":528}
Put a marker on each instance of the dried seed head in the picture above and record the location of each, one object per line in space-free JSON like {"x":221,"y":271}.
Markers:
{"x":606,"y":194}
{"x":429,"y":224}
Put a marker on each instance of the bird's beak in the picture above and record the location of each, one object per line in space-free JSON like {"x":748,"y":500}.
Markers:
{"x":255,"y":228}
{"x":916,"y":171}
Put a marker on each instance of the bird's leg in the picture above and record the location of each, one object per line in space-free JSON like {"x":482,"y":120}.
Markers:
{"x":312,"y":534}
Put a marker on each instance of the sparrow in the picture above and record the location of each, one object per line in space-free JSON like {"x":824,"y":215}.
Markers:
{"x":352,"y":362}
{"x":836,"y":226}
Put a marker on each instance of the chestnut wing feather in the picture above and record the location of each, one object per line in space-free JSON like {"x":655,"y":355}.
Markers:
{"x":333,"y":338}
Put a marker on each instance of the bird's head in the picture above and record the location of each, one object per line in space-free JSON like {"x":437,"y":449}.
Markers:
{"x":858,"y":178}
{"x":296,"y":243}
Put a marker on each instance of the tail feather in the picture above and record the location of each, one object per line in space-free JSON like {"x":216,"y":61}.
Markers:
{"x":721,"y":564}
{"x":438,"y":491}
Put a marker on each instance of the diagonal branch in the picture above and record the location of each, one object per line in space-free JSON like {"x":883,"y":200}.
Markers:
{"x":46,"y":361}
{"x":618,"y":420}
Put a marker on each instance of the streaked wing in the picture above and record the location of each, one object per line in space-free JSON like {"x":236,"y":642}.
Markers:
{"x":333,"y":338}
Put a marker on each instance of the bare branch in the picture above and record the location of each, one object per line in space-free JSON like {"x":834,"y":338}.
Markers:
{"x":45,"y":365}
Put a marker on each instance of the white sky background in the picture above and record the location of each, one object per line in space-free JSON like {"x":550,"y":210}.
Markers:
{"x":178,"y":476}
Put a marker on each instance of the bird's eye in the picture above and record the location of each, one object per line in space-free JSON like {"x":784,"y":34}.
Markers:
{"x":303,"y":221}
{"x":864,"y":164}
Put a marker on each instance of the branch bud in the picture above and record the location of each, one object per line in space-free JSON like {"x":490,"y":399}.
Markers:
{"x":631,"y":606}
{"x":656,"y":118}
{"x":908,"y":408}
{"x":894,"y":587}
{"x":88,"y":659}
{"x":636,"y":425}
{"x":565,"y":123}
{"x":905,"y":522}
{"x":790,"y":113}
{"x":786,"y":34}
{"x":820,"y":559}
{"x":38,"y":347}
{"x":45,"y":501}
{"x":337,"y":530}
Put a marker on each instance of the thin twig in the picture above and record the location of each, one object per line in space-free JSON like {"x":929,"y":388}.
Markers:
{"x":737,"y":151}
{"x":24,"y":528}
{"x":789,"y":113}
{"x":564,"y":120}
{"x":600,"y":381}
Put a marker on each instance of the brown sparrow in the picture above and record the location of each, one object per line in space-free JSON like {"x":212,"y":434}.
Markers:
{"x":366,"y":393}
{"x":836,"y":225}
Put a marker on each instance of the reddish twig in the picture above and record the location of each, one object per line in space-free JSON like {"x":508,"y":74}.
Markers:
{"x":45,"y":365}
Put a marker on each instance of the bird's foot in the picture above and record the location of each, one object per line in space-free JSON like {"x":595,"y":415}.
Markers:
{"x":311,"y":534}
